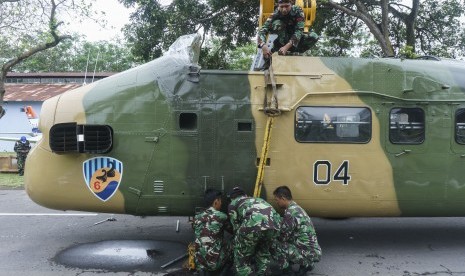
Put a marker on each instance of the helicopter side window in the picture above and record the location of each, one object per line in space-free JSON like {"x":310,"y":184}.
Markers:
{"x":188,"y":121}
{"x":460,"y":126}
{"x":407,"y":126}
{"x":333,"y":124}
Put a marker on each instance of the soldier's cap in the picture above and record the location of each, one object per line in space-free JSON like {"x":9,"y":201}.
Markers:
{"x":284,"y":1}
{"x":23,"y":139}
{"x":235,"y":192}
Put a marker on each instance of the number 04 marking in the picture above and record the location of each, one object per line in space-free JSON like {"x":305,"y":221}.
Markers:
{"x":322,"y":173}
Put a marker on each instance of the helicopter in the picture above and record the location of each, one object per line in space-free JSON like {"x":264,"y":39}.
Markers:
{"x":351,"y":137}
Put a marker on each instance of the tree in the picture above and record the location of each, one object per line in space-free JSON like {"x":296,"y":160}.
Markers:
{"x":76,"y":54}
{"x":154,"y":27}
{"x":32,"y":25}
{"x":427,"y":26}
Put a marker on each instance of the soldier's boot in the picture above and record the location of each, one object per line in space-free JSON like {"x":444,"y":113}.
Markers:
{"x":21,"y":172}
{"x":205,"y":273}
{"x":303,"y":270}
{"x":227,"y":270}
{"x":287,"y":271}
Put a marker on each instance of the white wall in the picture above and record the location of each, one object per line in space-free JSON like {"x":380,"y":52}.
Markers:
{"x":15,"y":121}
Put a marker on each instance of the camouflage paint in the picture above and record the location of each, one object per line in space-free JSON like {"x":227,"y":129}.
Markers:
{"x":428,"y":179}
{"x":168,"y":166}
{"x":308,"y":82}
{"x":56,"y":181}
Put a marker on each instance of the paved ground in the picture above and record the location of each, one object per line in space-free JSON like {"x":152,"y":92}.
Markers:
{"x":39,"y":241}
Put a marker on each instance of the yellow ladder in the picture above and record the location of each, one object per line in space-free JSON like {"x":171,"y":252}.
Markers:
{"x":272,"y":110}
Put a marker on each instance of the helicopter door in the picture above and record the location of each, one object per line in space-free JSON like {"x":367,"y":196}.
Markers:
{"x":418,"y":145}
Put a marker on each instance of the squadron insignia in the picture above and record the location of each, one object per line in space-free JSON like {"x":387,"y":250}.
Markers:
{"x":102,"y":176}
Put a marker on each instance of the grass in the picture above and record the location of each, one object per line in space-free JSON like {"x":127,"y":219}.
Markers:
{"x":10,"y":180}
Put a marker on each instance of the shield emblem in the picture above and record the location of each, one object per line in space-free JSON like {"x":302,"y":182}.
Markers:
{"x":103,"y":176}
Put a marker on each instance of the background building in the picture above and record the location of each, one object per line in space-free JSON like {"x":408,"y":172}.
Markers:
{"x":23,"y":89}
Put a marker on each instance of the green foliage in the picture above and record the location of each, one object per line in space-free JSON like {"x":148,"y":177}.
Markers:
{"x":11,"y":181}
{"x":72,"y":55}
{"x":154,"y":27}
{"x":241,"y":58}
{"x":229,"y":25}
{"x":407,"y":52}
{"x":216,"y":56}
{"x":438,"y":28}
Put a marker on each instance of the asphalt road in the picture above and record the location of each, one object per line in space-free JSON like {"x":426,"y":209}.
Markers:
{"x":39,"y":241}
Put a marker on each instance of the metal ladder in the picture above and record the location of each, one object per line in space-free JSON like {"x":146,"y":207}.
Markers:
{"x":271,"y":109}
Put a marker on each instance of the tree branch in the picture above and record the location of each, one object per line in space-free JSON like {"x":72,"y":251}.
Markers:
{"x":53,"y":26}
{"x":363,"y":14}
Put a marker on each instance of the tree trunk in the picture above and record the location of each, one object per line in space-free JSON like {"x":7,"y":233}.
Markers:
{"x":2,"y":93}
{"x":381,"y":34}
{"x":410,"y":24}
{"x":6,"y":67}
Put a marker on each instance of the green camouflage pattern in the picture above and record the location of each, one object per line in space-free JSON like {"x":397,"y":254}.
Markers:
{"x":297,"y":243}
{"x":289,"y":28}
{"x":212,"y":251}
{"x":22,"y":150}
{"x":168,"y":166}
{"x":256,"y":227}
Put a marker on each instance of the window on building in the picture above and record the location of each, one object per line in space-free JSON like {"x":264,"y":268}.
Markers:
{"x":333,"y":124}
{"x":407,"y":126}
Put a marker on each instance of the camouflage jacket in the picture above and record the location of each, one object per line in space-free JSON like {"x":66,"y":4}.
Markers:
{"x":209,"y":229}
{"x":297,"y":228}
{"x":254,"y":214}
{"x":294,"y":23}
{"x":22,"y":147}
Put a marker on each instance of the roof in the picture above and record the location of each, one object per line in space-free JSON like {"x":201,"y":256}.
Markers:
{"x":35,"y":92}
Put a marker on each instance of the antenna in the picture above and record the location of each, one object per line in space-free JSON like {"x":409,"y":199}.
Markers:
{"x":85,"y":75}
{"x":95,"y":68}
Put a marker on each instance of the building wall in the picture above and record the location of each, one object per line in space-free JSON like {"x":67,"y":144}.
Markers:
{"x":15,"y":121}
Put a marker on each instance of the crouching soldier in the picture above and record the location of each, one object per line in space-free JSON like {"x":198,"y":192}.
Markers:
{"x":212,"y":252}
{"x":297,"y":243}
{"x":256,"y":227}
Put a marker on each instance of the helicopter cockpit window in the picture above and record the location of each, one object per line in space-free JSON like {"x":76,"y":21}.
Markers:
{"x":407,"y":126}
{"x":460,"y":126}
{"x":333,"y":124}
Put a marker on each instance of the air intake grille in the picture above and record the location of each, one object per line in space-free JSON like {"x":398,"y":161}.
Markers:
{"x":71,"y":137}
{"x":63,"y":138}
{"x":97,"y":138}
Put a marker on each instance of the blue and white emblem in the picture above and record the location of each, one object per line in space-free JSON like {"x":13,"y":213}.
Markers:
{"x":103,"y":176}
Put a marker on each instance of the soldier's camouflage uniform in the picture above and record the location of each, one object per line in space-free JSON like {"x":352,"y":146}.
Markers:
{"x":288,"y":27}
{"x":256,"y":227}
{"x":297,"y":242}
{"x":21,"y":149}
{"x":211,"y":250}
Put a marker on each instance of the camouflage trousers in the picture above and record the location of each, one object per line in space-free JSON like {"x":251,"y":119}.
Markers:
{"x":288,"y":253}
{"x":21,"y":159}
{"x":252,"y":251}
{"x":214,"y":259}
{"x":307,"y":40}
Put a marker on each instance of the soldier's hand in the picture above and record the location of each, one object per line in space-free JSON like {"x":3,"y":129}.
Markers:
{"x":283,"y":50}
